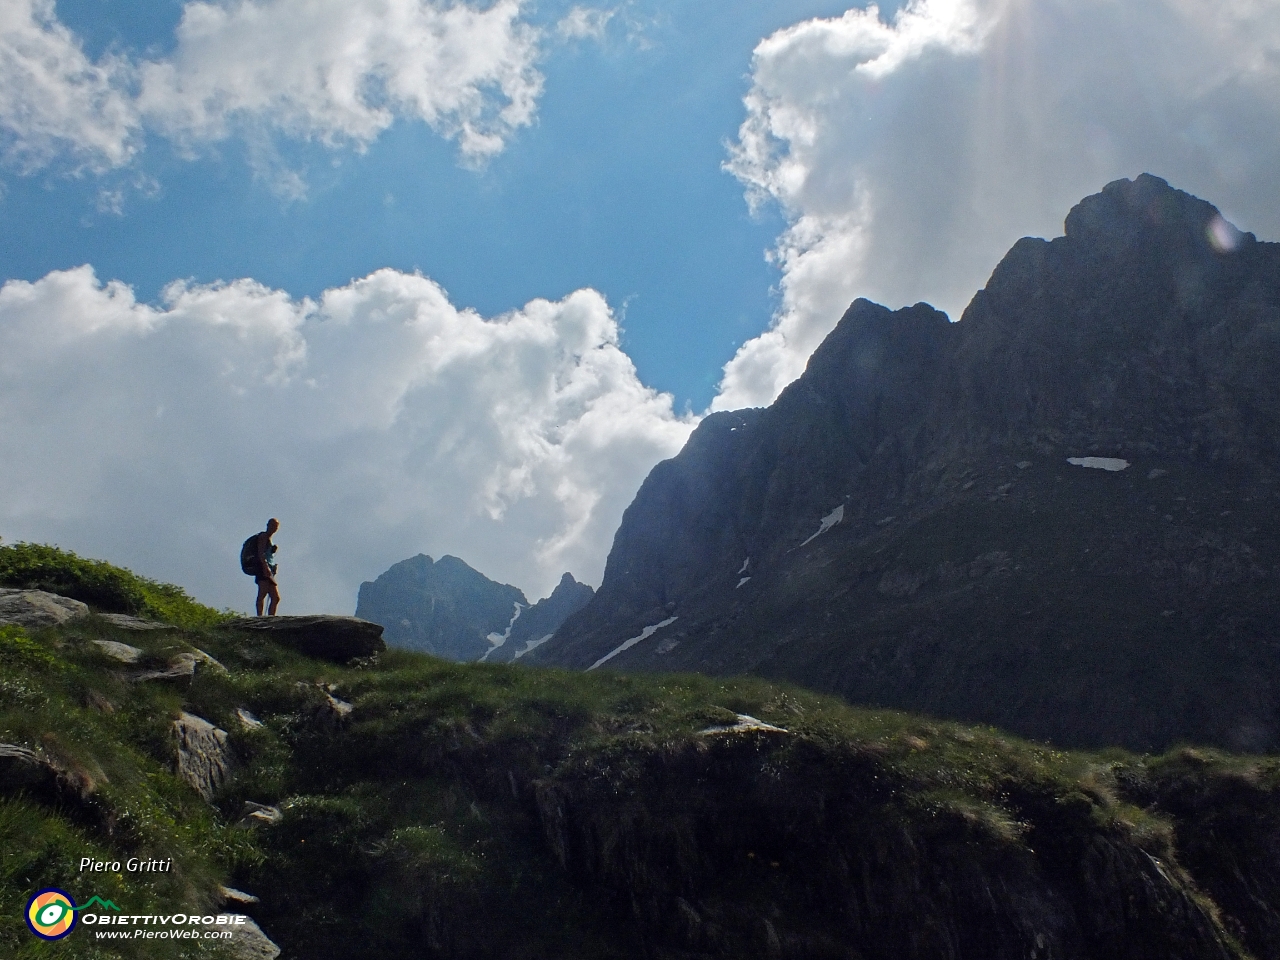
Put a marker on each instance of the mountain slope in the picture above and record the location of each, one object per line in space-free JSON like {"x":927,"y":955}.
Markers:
{"x":903,"y":525}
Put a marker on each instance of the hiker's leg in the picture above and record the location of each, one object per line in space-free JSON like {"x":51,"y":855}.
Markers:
{"x":262,"y":595}
{"x":273,"y":591}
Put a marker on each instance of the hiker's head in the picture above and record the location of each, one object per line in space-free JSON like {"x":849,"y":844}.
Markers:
{"x":273,"y":525}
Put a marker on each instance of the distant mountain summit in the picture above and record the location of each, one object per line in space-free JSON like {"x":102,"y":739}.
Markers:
{"x":446,"y":608}
{"x":1058,"y":515}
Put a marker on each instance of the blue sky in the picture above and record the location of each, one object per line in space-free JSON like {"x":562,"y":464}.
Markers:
{"x":451,"y":276}
{"x":617,"y":186}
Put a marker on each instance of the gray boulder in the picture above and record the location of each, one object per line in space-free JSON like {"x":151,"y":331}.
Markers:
{"x":204,"y":758}
{"x":331,"y":712}
{"x":259,"y":815}
{"x":337,"y":639}
{"x":248,"y":942}
{"x":183,"y":667}
{"x":118,"y":651}
{"x":36,"y":608}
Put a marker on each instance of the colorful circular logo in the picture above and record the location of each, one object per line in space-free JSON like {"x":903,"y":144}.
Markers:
{"x":51,"y":914}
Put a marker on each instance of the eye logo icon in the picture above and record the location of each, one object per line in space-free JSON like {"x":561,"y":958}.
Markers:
{"x":51,"y":914}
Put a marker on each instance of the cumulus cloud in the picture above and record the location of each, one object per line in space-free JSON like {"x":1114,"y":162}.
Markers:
{"x":55,"y":100}
{"x":338,"y":72}
{"x":376,"y":421}
{"x":908,"y":154}
{"x":341,"y":71}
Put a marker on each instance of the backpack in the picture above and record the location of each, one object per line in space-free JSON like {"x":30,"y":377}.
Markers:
{"x":249,"y":556}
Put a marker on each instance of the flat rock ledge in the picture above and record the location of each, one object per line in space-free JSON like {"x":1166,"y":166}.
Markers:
{"x":35,"y":609}
{"x":337,"y":639}
{"x":125,"y":622}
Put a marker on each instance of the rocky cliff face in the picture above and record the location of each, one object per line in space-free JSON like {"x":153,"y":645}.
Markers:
{"x":446,"y":608}
{"x":925,"y":519}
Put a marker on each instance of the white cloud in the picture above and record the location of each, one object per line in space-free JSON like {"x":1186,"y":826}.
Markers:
{"x":339,"y":72}
{"x":377,"y":421}
{"x":908,"y":155}
{"x":54,"y":100}
{"x":582,"y":23}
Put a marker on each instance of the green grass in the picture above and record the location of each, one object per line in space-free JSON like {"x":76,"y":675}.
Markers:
{"x":61,"y":701}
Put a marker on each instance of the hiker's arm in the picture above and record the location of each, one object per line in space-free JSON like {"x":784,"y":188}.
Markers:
{"x":264,"y":569}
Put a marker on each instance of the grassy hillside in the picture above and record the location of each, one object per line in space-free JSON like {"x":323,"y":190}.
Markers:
{"x":498,"y":811}
{"x":106,"y":588}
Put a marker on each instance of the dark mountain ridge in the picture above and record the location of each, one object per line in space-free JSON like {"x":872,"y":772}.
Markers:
{"x":964,"y":567}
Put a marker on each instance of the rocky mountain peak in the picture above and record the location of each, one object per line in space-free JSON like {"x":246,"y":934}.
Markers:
{"x":915,"y":522}
{"x":1148,"y":212}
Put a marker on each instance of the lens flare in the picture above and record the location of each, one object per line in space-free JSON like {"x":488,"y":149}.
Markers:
{"x":1223,"y":236}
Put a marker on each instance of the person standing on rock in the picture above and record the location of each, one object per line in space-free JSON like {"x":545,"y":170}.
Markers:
{"x":266,"y":576}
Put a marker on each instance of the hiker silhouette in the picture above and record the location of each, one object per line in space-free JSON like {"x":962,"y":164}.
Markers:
{"x":265,"y":578}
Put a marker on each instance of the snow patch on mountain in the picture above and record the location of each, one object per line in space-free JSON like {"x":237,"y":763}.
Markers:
{"x":644,"y":634}
{"x":533,"y":645}
{"x":498,"y":639}
{"x":829,"y":521}
{"x":1099,"y":463}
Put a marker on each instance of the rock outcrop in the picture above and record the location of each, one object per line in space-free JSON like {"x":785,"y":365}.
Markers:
{"x":26,"y":772}
{"x":38,"y":608}
{"x":203,"y":754}
{"x":259,"y":815}
{"x":182,"y":667}
{"x":337,"y":639}
{"x":248,"y":942}
{"x":331,"y":712}
{"x":909,"y":524}
{"x":120,"y":652}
